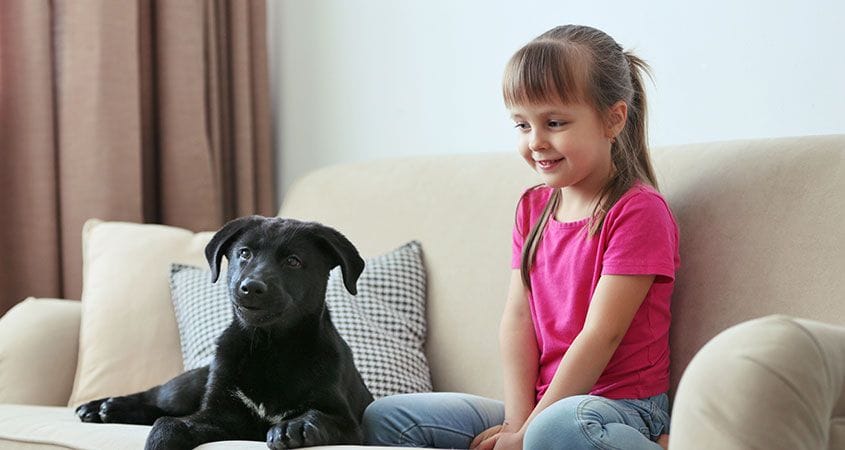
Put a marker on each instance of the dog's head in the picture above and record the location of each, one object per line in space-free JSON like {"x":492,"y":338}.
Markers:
{"x":278,"y":268}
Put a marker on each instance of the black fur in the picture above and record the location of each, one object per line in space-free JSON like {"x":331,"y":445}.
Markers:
{"x":281,"y":373}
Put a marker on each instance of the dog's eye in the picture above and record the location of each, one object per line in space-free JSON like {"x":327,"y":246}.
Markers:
{"x":244,"y":253}
{"x":293,"y":261}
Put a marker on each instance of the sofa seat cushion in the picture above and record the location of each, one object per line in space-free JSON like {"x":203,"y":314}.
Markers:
{"x":48,"y":427}
{"x":25,"y":426}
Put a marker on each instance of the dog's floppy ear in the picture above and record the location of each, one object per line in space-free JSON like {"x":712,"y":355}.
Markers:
{"x":222,"y":240}
{"x":344,"y":253}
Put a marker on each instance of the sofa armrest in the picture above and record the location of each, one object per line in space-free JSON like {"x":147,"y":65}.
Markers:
{"x":39,"y":343}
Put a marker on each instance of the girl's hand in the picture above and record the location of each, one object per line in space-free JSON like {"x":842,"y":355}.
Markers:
{"x":486,"y":439}
{"x":509,"y":441}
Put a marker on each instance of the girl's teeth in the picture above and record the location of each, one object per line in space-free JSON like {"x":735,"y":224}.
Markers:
{"x":549,"y":163}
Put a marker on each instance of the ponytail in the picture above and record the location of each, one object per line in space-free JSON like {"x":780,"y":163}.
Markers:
{"x":629,"y":152}
{"x":637,"y":125}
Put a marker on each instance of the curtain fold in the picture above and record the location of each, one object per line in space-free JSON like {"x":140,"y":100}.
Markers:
{"x":142,"y":111}
{"x":30,"y":236}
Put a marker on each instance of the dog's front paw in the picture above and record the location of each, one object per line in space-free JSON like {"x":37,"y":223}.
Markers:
{"x":170,"y":433}
{"x":118,"y":410}
{"x":90,"y":412}
{"x":302,"y":431}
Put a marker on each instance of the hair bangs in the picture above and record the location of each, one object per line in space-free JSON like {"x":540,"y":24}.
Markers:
{"x":537,"y":74}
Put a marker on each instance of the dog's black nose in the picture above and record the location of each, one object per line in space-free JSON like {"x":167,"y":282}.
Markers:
{"x":252,"y":287}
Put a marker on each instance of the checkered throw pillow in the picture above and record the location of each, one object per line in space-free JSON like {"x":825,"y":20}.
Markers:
{"x":384,"y":324}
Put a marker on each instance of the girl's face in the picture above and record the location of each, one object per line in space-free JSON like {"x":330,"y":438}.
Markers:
{"x":567,"y":144}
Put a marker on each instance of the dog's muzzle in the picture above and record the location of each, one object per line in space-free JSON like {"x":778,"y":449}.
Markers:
{"x":252,"y":288}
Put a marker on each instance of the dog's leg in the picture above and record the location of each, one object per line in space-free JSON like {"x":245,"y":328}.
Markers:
{"x":178,"y":397}
{"x":313,"y":428}
{"x":127,"y":409}
{"x":185,"y":433}
{"x":175,"y":433}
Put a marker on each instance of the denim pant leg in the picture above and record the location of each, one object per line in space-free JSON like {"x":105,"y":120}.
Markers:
{"x":591,"y":422}
{"x":439,"y":420}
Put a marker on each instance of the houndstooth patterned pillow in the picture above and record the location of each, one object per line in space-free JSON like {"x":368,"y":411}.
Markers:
{"x":384,"y":324}
{"x":202,"y":312}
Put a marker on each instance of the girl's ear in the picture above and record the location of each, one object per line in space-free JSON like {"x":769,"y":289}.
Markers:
{"x":617,"y":117}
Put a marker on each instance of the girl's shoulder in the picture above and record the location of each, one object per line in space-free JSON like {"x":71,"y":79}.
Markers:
{"x":536,"y":194}
{"x":533,"y":200}
{"x":641,"y":192}
{"x":531,"y":204}
{"x":641,"y":197}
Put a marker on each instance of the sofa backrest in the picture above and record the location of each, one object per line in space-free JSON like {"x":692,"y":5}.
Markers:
{"x":461,"y":209}
{"x":761,"y":232}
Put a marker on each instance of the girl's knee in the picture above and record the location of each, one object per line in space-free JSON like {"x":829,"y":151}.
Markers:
{"x":392,"y":420}
{"x":587,"y":422}
{"x":557,"y":423}
{"x":440,"y":420}
{"x":577,"y":421}
{"x":379,"y":421}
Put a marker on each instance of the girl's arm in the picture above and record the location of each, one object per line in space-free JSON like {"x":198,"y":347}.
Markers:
{"x":612,"y":308}
{"x":520,"y":362}
{"x":520,"y":355}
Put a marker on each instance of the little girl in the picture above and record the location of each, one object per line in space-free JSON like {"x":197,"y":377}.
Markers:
{"x":585,"y":330}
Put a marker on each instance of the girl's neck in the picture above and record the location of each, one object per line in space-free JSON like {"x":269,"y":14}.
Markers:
{"x":579,"y":201}
{"x":575,"y":205}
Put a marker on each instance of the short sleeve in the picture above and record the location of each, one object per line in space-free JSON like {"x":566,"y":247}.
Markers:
{"x":641,"y":237}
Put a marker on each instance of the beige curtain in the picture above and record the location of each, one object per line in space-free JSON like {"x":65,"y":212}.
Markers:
{"x":143,"y":111}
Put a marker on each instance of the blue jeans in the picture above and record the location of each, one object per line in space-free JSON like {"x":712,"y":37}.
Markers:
{"x":450,"y":420}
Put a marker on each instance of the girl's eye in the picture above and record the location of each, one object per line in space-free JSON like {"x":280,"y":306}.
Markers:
{"x":244,"y":253}
{"x":556,"y":123}
{"x":293,"y":261}
{"x":521,"y":126}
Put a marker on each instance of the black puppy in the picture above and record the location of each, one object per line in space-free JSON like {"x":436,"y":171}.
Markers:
{"x":281,"y":372}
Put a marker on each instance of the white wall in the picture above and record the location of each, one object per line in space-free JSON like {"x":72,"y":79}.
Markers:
{"x":356,"y":80}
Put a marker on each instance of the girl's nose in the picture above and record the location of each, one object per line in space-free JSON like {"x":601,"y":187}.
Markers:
{"x":537,"y":141}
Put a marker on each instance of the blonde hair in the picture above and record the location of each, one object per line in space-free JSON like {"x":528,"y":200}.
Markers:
{"x":580,"y":64}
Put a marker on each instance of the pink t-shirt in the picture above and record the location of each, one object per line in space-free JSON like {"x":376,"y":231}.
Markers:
{"x":639,"y":237}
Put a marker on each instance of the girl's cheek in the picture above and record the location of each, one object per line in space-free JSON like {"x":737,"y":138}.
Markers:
{"x":526,"y":154}
{"x":522,"y":146}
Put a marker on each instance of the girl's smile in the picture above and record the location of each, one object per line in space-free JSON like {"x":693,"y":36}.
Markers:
{"x":566,"y":144}
{"x":548,"y":165}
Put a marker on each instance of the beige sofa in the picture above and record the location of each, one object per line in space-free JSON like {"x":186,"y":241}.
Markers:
{"x":763,"y":232}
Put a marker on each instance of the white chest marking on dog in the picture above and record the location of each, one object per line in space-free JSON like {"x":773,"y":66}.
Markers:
{"x":259,"y":409}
